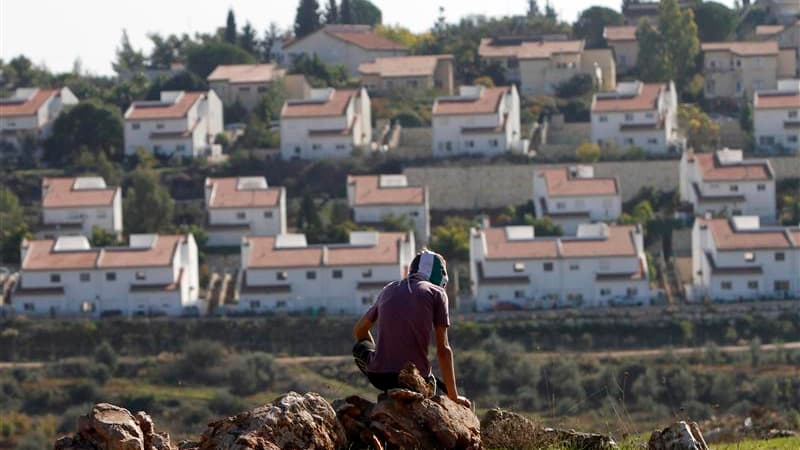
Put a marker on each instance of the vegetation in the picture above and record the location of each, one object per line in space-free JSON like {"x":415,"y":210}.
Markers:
{"x":669,"y":52}
{"x":148,"y":205}
{"x":592,"y":22}
{"x":703,"y":134}
{"x":588,"y":152}
{"x":91,"y":126}
{"x":715,"y":21}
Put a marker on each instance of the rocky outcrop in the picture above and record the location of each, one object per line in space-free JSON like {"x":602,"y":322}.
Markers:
{"x":409,"y":418}
{"x":109,"y":427}
{"x":504,"y":429}
{"x":291,"y":422}
{"x":678,"y":436}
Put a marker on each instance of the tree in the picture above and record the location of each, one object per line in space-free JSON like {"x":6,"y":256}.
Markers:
{"x":592,"y":22}
{"x":148,"y":205}
{"x":181,"y":81}
{"x":577,"y":86}
{"x":332,"y":13}
{"x":588,"y":152}
{"x":129,"y":60}
{"x":248,"y":41}
{"x":92,"y":125}
{"x":398,"y":34}
{"x":533,"y":9}
{"x":202,"y":58}
{"x":307,"y":19}
{"x":715,"y":21}
{"x":230,"y":28}
{"x":452,"y":239}
{"x":669,"y":53}
{"x":702,"y":132}
{"x":366,"y":13}
{"x":13,"y":228}
{"x":103,"y":238}
{"x":317,"y":73}
{"x":550,"y":12}
{"x":346,"y":12}
{"x":271,"y":35}
{"x":308,"y":218}
{"x":166,"y":50}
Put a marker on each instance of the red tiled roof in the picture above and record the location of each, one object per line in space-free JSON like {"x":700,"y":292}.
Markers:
{"x":367,"y":40}
{"x":368,"y":192}
{"x":712,"y":170}
{"x":560,"y":184}
{"x":246,"y":73}
{"x":225,"y":194}
{"x":402,"y":66}
{"x":40,"y":256}
{"x":528,"y":50}
{"x":727,"y":238}
{"x":334,"y":106}
{"x":144,"y":111}
{"x":488,"y":102}
{"x":28,"y":107}
{"x":499,"y":247}
{"x":387,"y":251}
{"x":160,"y":254}
{"x":646,"y":100}
{"x":768,"y":30}
{"x":619,"y":243}
{"x":264,"y":254}
{"x":620,"y":33}
{"x":60,"y":193}
{"x":743,"y":48}
{"x":774,"y":100}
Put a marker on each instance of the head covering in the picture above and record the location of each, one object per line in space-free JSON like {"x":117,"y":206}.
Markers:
{"x":430,"y":266}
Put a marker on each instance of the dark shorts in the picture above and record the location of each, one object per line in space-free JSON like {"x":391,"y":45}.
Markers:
{"x":363,"y":352}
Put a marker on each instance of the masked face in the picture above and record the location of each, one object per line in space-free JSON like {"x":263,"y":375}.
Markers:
{"x":430,"y":265}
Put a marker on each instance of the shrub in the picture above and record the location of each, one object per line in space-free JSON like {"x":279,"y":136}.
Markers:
{"x":252,"y":374}
{"x":576,"y":86}
{"x":588,"y":152}
{"x":225,"y":404}
{"x":105,"y":354}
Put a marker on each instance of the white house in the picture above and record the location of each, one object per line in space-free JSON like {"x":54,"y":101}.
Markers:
{"x":408,"y":73}
{"x":480,"y":121}
{"x":331,"y":123}
{"x":724,"y":183}
{"x":243,"y":206}
{"x":247,"y":83}
{"x":181,"y":123}
{"x":346,"y":45}
{"x":284,"y":273}
{"x":78,"y":205}
{"x":738,"y":259}
{"x":572,"y":196}
{"x":374,"y":197}
{"x":776,"y":118}
{"x":643,"y":115}
{"x":155,"y":274}
{"x":511,"y":268}
{"x":31,"y":112}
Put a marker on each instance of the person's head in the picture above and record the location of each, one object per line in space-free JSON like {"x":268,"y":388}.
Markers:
{"x":430,"y":266}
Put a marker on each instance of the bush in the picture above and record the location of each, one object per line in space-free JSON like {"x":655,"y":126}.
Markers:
{"x":84,"y":392}
{"x":105,"y":354}
{"x":225,"y":404}
{"x":252,"y":374}
{"x":578,"y":85}
{"x":409,"y":119}
{"x":588,"y":152}
{"x":201,"y":361}
{"x":101,"y":374}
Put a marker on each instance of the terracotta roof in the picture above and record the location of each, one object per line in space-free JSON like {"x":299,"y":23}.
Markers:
{"x":41,"y":256}
{"x":488,"y":102}
{"x":560,"y":184}
{"x":157,"y":110}
{"x":776,"y":100}
{"x":646,"y":100}
{"x":712,"y":170}
{"x":246,"y":73}
{"x":60,"y":193}
{"x":619,"y":243}
{"x":29,"y":106}
{"x":387,"y":251}
{"x":768,"y":30}
{"x":225,"y":194}
{"x":528,"y":49}
{"x":367,"y":40}
{"x":368,"y":192}
{"x":264,"y":255}
{"x":402,"y":66}
{"x":621,"y":33}
{"x":334,"y":106}
{"x":727,"y":238}
{"x":743,"y":48}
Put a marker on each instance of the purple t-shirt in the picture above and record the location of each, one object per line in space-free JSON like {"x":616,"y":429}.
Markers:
{"x":405,"y":320}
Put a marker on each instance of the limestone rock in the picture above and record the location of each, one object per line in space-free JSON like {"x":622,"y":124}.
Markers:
{"x":291,"y":422}
{"x":678,"y":436}
{"x":504,"y":429}
{"x":109,"y":427}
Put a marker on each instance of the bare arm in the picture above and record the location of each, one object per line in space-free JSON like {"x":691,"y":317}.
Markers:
{"x":361,"y":330}
{"x":445,"y":356}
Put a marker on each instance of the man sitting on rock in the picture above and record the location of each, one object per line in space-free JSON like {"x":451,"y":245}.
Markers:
{"x":406,"y":312}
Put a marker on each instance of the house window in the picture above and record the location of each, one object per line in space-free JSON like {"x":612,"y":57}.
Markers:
{"x":519,"y":267}
{"x":629,"y":141}
{"x":792,"y":139}
{"x":470,"y":144}
{"x":55,"y":278}
{"x":726,"y":285}
{"x":448,"y":146}
{"x":413,"y":83}
{"x":494,"y":143}
{"x":766,"y":140}
{"x":29,"y":307}
{"x":366,"y":301}
{"x":649,"y":115}
{"x":337,"y":273}
{"x":241,"y":215}
{"x":340,"y":146}
{"x":574,"y":266}
{"x":311,"y":275}
{"x":282,"y":276}
{"x":100,"y":213}
{"x":255,"y":304}
{"x":734,"y":188}
{"x":111,"y":276}
{"x":414,"y":214}
{"x":85,"y":277}
{"x":262,"y":89}
{"x":141,"y":276}
{"x":297,"y":150}
{"x":561,"y":205}
{"x":159,"y":126}
{"x":793,"y":114}
{"x":280,"y":304}
{"x":244,"y":89}
{"x":652,"y":141}
{"x":750,"y":257}
{"x":156,"y":148}
{"x":519,"y":294}
{"x":632,"y":292}
{"x":780,"y":256}
{"x":316,"y":146}
{"x":628,"y":117}
{"x":752,"y":285}
{"x":268,"y":214}
{"x":761,"y":187}
{"x":180,"y":148}
{"x":367,"y":273}
{"x":781,"y":286}
{"x":547,"y":267}
{"x":136,"y":126}
{"x":605,"y":292}
{"x":602,"y":119}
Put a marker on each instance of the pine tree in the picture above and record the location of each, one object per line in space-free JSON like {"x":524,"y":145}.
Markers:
{"x":670,"y":52}
{"x":129,"y":60}
{"x":307,"y":19}
{"x":230,"y":28}
{"x":346,"y":12}
{"x":332,"y":13}
{"x":248,"y":39}
{"x":533,"y":9}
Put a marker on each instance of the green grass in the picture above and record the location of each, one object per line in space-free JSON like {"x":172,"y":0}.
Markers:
{"x":792,"y":443}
